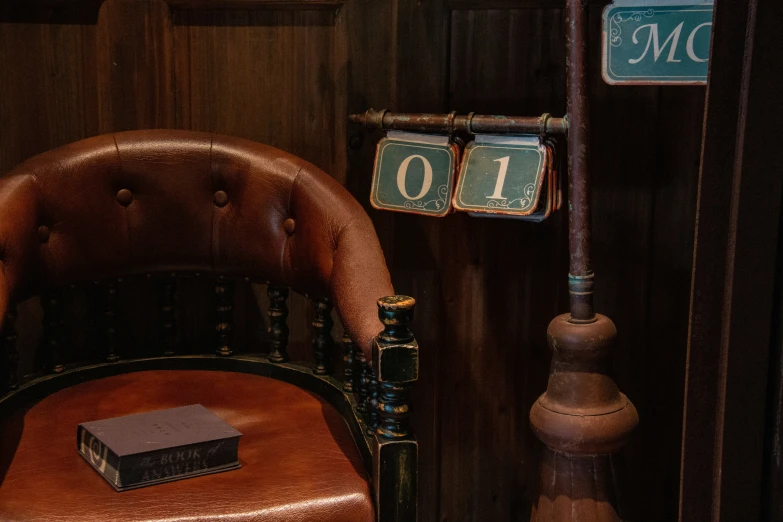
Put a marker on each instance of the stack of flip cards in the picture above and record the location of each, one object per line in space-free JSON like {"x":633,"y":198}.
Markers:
{"x":499,"y":176}
{"x":510,"y":177}
{"x":414,"y":173}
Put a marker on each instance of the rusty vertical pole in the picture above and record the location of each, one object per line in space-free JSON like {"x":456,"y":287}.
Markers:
{"x":582,"y":418}
{"x":580,"y":280}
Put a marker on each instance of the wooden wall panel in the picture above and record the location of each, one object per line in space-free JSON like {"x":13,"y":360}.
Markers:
{"x":134,"y":62}
{"x":253,"y":73}
{"x":42,"y":94}
{"x":507,"y":61}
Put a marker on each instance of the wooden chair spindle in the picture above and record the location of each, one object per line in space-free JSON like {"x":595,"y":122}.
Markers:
{"x":278,"y":323}
{"x":372,"y":403}
{"x":167,"y":314}
{"x":52,"y":338}
{"x":224,"y":291}
{"x":109,"y":320}
{"x":349,"y":357}
{"x":363,"y":386}
{"x":323,"y":344}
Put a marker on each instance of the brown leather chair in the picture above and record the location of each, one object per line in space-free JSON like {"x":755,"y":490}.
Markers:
{"x":148,"y":202}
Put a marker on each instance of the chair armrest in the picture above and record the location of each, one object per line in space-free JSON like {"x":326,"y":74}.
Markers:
{"x":395,"y":362}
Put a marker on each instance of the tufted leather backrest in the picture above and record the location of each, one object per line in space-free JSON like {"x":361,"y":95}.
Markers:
{"x":164,"y":200}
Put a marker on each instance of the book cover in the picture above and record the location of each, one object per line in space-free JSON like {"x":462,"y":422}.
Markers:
{"x":158,"y":446}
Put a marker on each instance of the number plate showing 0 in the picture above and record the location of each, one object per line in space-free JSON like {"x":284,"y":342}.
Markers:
{"x":501,"y":178}
{"x":414,"y":174}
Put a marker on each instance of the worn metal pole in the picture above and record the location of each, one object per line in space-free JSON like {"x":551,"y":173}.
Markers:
{"x":582,"y":418}
{"x":452,"y":122}
{"x":580,"y":281}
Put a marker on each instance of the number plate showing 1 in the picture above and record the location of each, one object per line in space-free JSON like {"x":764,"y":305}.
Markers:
{"x":414,"y":173}
{"x":501,"y":176}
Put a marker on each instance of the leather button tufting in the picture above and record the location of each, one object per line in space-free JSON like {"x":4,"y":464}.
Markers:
{"x":289,"y":225}
{"x":124,"y":197}
{"x":221,"y":198}
{"x":43,"y":233}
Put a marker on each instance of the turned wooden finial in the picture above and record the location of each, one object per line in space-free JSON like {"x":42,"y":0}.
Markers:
{"x":582,"y":418}
{"x":322,"y":338}
{"x":395,"y":360}
{"x":395,"y":365}
{"x":278,"y":325}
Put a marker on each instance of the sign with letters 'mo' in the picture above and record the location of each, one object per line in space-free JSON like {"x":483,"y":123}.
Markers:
{"x":656,"y":42}
{"x":414,"y":173}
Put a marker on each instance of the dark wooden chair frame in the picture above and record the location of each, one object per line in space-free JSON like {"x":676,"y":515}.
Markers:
{"x":373,"y":397}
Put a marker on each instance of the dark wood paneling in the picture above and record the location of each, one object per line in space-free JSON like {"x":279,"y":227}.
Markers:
{"x":252,"y":73}
{"x":503,"y":279}
{"x":134,"y":63}
{"x":42,"y":90}
{"x":486,"y":288}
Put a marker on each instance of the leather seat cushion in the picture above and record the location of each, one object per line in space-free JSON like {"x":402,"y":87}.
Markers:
{"x":299,"y":462}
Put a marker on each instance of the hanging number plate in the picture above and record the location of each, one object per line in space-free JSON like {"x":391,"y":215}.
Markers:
{"x":659,"y":42}
{"x":502,"y":175}
{"x":414,"y":173}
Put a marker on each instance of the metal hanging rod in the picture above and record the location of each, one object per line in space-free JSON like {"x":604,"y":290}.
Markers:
{"x":453,"y":122}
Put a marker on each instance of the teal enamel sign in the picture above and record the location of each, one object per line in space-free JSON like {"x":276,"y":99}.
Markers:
{"x":414,"y":173}
{"x":501,"y":177}
{"x":656,"y":44}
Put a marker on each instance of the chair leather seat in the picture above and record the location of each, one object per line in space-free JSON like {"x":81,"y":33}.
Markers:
{"x":299,"y":462}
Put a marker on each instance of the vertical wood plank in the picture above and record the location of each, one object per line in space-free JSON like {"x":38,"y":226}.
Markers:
{"x":42,"y":96}
{"x":283,"y":88}
{"x":421,"y":73}
{"x":135,"y":66}
{"x":504,"y":280}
